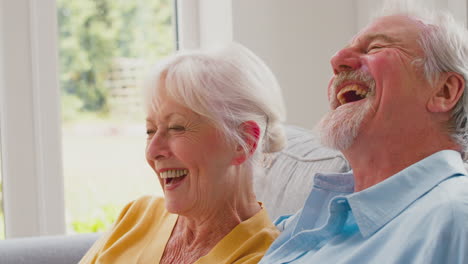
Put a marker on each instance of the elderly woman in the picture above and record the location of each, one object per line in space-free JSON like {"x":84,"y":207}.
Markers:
{"x":211,"y":117}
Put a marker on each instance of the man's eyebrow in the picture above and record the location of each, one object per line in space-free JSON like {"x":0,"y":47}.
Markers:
{"x":371,"y":37}
{"x":384,"y":37}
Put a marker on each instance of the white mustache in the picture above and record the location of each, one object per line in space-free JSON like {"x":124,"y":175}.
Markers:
{"x":357,"y":75}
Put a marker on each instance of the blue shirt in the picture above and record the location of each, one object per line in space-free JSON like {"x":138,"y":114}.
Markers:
{"x":419,"y":215}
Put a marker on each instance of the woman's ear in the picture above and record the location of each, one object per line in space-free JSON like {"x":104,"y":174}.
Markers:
{"x":251,"y":133}
{"x":449,"y":92}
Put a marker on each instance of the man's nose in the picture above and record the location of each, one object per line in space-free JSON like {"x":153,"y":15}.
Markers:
{"x":346,"y":59}
{"x":158,"y":147}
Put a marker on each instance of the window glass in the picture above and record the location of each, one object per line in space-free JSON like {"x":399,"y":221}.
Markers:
{"x":105,"y":48}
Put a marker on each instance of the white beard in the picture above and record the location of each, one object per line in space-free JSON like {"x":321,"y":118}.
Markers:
{"x":339,"y":128}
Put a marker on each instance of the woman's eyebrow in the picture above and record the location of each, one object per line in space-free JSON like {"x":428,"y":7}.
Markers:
{"x":166,"y":117}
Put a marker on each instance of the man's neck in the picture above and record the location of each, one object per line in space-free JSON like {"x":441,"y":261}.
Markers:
{"x":373,"y":163}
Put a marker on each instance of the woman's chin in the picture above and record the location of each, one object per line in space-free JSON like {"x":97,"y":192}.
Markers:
{"x":175,"y":206}
{"x":176,"y":194}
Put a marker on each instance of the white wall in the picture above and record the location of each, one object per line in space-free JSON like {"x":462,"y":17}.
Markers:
{"x":216,"y":17}
{"x":296,"y":38}
{"x":366,"y":8}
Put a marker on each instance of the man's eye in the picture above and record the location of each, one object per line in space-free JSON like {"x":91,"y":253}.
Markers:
{"x":374,"y":48}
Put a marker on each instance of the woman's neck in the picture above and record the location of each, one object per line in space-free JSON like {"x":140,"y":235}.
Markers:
{"x":198,"y":231}
{"x":193,"y":238}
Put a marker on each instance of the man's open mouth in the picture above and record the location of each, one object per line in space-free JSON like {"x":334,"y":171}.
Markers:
{"x":173,"y":176}
{"x":352,"y":93}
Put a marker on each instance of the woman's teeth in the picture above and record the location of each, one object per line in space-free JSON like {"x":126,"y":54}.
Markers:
{"x":173,"y":173}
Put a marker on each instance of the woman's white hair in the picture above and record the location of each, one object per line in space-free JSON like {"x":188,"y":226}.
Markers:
{"x":445,"y":45}
{"x":229,"y":87}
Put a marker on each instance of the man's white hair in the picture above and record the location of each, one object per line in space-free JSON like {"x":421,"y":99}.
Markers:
{"x":445,"y":45}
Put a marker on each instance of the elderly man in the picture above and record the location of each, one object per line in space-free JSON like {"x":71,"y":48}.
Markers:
{"x":398,"y":113}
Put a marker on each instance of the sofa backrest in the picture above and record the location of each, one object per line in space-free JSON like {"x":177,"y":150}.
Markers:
{"x":46,"y":250}
{"x":289,"y":173}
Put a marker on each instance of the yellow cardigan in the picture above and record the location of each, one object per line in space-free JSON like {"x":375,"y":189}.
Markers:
{"x":143,"y":228}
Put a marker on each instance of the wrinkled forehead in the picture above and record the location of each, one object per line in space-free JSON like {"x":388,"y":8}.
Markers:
{"x":399,"y":27}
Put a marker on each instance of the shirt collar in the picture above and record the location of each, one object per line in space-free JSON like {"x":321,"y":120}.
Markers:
{"x":335,"y":182}
{"x":377,"y":205}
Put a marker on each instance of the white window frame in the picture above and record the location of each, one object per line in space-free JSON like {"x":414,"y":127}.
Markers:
{"x":30,"y":123}
{"x":30,"y":119}
{"x":204,"y":23}
{"x":188,"y":26}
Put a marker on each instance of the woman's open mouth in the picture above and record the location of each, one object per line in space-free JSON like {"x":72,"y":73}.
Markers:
{"x":173,"y":177}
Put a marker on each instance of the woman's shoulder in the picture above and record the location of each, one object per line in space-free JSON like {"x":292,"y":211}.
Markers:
{"x":149,"y":201}
{"x":138,"y":220}
{"x":144,"y":206}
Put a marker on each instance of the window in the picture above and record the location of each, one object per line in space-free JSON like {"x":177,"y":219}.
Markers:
{"x":105,"y":48}
{"x":32,"y":173}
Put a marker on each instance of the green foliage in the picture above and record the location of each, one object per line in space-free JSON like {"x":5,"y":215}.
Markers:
{"x":93,"y":32}
{"x":104,"y":218}
{"x":71,"y":107}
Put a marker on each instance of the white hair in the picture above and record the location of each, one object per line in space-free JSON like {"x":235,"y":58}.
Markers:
{"x":445,"y":46}
{"x":229,"y":87}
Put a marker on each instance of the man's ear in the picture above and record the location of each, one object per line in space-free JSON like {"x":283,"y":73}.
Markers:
{"x":444,"y":99}
{"x":251,"y":133}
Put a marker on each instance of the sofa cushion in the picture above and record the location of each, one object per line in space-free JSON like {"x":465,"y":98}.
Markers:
{"x":46,"y":250}
{"x":289,"y":173}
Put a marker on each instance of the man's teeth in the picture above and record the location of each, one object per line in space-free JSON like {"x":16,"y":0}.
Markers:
{"x":172,"y":173}
{"x":353,"y":87}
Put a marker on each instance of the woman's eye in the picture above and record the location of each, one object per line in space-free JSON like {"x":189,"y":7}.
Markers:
{"x":150,"y":132}
{"x":177,"y":128}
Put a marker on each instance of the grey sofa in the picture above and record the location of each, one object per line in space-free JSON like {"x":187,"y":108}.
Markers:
{"x":283,"y":190}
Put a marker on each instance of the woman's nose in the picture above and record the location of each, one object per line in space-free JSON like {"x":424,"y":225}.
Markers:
{"x":157,"y":147}
{"x":347,"y":59}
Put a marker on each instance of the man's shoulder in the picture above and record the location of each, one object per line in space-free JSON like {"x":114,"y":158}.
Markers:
{"x":452,"y":192}
{"x":447,"y":201}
